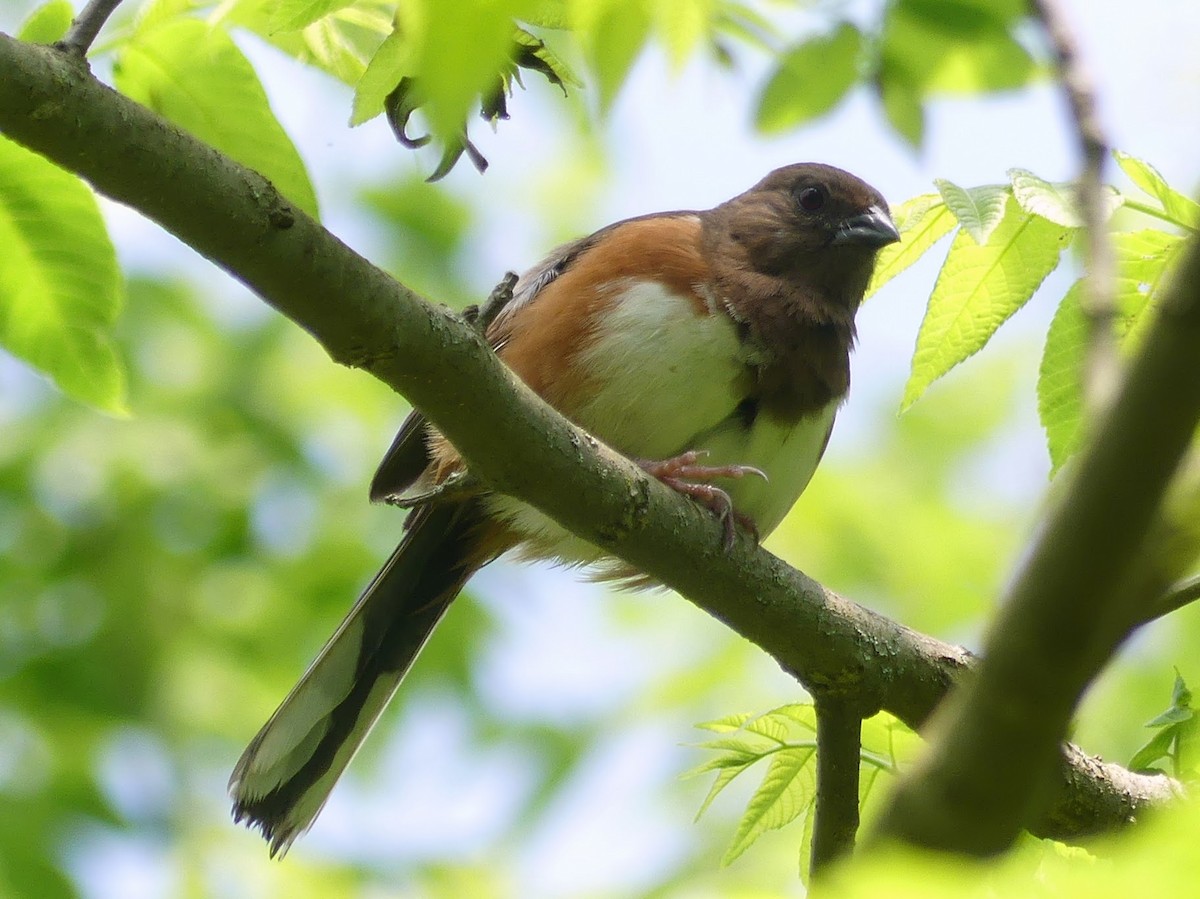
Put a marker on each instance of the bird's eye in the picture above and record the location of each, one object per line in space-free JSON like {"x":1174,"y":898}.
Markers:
{"x":811,"y":198}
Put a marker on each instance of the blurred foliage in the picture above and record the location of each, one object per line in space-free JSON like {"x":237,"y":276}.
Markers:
{"x":163,"y":579}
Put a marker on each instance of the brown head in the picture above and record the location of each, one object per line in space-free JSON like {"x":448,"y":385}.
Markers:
{"x":790,"y":260}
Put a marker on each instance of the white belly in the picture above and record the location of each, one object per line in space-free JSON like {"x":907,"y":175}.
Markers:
{"x":667,"y":380}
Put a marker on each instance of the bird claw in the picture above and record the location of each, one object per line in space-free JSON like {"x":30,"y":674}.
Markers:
{"x":684,"y":474}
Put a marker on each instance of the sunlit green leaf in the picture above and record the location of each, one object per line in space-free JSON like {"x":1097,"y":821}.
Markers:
{"x":383,"y":73}
{"x":683,"y":24}
{"x":613,"y":33}
{"x":978,"y":209}
{"x":979,"y":287}
{"x":810,"y":79}
{"x":1179,"y":206}
{"x":60,"y":289}
{"x":786,"y":791}
{"x":1143,"y":259}
{"x":901,"y":104}
{"x":194,"y":75}
{"x":947,"y":46}
{"x":340,"y":44}
{"x":48,"y":23}
{"x":292,"y":15}
{"x":922,"y":222}
{"x":1056,"y":202}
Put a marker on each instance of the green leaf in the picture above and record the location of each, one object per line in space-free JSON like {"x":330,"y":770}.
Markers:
{"x":902,"y":105}
{"x":952,"y":47}
{"x":728,"y":724}
{"x":60,"y":287}
{"x":978,"y":209}
{"x":683,"y":24}
{"x":979,"y":288}
{"x":292,"y":15}
{"x":922,"y":222}
{"x":1057,"y":202}
{"x":785,"y":792}
{"x":724,"y":778}
{"x":613,"y":33}
{"x":1182,"y":208}
{"x":1158,"y":747}
{"x":1143,"y":258}
{"x":1060,"y":379}
{"x":380,"y":79}
{"x":194,"y":75}
{"x":340,"y":44}
{"x":48,"y":23}
{"x":810,"y":80}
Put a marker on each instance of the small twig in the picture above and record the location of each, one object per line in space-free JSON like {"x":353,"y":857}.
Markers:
{"x":481,"y":317}
{"x":839,"y":745}
{"x":1099,"y":293}
{"x":87,"y":25}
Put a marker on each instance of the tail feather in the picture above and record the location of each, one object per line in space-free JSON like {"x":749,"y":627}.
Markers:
{"x":286,"y":773}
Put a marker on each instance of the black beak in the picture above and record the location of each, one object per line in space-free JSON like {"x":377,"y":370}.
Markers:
{"x":873,"y":228}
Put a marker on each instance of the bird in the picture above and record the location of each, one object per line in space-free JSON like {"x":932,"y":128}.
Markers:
{"x":711,"y":347}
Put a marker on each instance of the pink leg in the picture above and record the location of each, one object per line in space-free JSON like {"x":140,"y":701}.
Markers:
{"x":685,"y":474}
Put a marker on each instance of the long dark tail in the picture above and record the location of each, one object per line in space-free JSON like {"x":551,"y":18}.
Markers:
{"x":287,"y":772}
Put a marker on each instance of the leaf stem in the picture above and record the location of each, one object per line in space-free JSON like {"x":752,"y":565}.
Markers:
{"x":1156,"y":212}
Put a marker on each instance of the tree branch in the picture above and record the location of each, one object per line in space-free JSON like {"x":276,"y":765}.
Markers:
{"x":1099,"y":299}
{"x":990,"y":767}
{"x":50,"y":103}
{"x":839,"y":747}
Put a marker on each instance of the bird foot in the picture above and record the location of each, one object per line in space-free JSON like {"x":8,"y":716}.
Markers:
{"x":685,"y":474}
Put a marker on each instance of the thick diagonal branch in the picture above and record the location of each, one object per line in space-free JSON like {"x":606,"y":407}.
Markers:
{"x":1085,"y":585}
{"x":51,"y":104}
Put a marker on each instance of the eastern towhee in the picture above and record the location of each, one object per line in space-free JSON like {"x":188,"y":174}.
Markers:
{"x":704,"y":345}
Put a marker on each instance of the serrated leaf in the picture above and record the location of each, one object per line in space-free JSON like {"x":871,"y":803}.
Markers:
{"x":810,"y":80}
{"x":1182,"y":208}
{"x":922,"y":222}
{"x":979,"y":288}
{"x":978,"y":209}
{"x":60,"y":286}
{"x":785,"y":792}
{"x":1060,"y":379}
{"x":727,"y":724}
{"x":769,"y":727}
{"x":339,"y":44}
{"x":754,"y":747}
{"x":801,"y":713}
{"x":47,"y":24}
{"x":723,"y":779}
{"x":292,"y":15}
{"x":1056,"y":202}
{"x":1143,"y":259}
{"x":195,"y":76}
